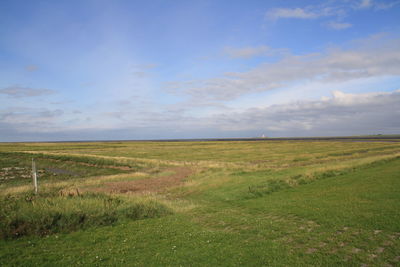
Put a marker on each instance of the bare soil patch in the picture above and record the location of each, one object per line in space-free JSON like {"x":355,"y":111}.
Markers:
{"x":157,"y":184}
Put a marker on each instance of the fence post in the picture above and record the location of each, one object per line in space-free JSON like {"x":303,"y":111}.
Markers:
{"x":34,"y":176}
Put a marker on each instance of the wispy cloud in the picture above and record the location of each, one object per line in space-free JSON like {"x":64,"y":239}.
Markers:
{"x":31,"y":68}
{"x":308,"y":12}
{"x":139,"y":74}
{"x":31,"y":119}
{"x":246,"y":52}
{"x":19,"y":91}
{"x":365,"y":4}
{"x":142,"y":70}
{"x":337,"y":9}
{"x":147,"y":66}
{"x":298,"y":13}
{"x":339,"y":25}
{"x":377,"y":5}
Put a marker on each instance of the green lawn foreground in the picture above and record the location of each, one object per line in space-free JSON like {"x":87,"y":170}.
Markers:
{"x":346,"y":220}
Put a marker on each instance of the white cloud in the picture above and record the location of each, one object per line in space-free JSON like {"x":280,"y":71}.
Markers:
{"x":372,"y":57}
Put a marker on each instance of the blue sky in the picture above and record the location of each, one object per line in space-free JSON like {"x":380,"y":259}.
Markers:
{"x":77,"y":70}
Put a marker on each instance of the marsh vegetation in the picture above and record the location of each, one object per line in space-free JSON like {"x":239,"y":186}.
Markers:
{"x":201,"y":203}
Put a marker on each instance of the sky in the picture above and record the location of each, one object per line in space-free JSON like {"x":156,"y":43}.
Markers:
{"x":164,"y":69}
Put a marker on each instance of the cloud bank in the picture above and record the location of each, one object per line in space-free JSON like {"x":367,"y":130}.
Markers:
{"x":372,"y":57}
{"x":341,"y":114}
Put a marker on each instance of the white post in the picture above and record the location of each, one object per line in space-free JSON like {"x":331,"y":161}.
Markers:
{"x":34,"y":176}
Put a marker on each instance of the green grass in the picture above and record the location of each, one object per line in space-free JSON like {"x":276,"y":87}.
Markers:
{"x":286,"y":203}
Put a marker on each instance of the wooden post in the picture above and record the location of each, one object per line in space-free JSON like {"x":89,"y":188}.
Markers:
{"x":34,"y":176}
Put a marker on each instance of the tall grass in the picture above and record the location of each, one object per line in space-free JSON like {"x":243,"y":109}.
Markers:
{"x":49,"y":213}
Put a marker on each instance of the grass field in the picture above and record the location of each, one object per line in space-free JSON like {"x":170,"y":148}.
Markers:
{"x":252,"y":203}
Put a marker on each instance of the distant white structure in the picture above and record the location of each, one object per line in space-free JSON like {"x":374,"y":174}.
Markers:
{"x":263,"y":136}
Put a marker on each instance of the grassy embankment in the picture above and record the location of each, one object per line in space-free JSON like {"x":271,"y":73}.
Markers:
{"x":245,"y":203}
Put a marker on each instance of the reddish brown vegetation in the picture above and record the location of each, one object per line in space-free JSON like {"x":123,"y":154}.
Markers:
{"x":150,"y":184}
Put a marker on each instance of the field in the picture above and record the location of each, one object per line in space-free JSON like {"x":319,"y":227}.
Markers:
{"x":230,"y":203}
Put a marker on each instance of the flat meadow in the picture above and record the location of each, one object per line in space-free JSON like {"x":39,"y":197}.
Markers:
{"x":203,"y":203}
